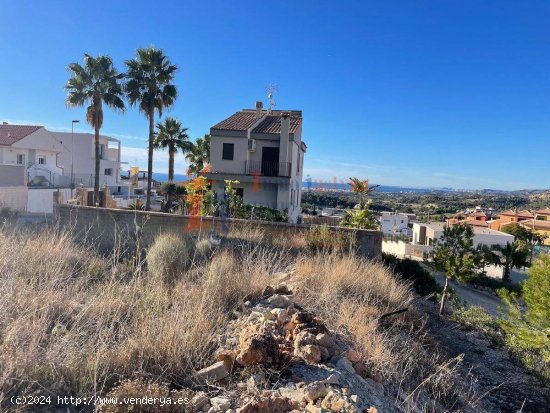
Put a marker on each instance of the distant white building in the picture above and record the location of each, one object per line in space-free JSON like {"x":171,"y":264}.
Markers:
{"x":429,"y":233}
{"x":395,"y":223}
{"x":79,"y":160}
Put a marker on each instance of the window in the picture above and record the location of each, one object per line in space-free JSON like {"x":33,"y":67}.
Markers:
{"x":41,"y":160}
{"x":102,"y":151}
{"x":228,"y":151}
{"x":20,"y":159}
{"x":240,"y":192}
{"x":109,"y":171}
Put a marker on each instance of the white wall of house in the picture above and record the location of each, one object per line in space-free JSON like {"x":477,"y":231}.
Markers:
{"x":482,"y":236}
{"x":40,"y":147}
{"x":491,"y":238}
{"x":14,"y":197}
{"x":13,"y":175}
{"x":240,"y":151}
{"x":81,"y":153}
{"x":394,"y":223}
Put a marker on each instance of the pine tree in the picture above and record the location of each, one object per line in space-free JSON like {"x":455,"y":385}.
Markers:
{"x":527,"y":320}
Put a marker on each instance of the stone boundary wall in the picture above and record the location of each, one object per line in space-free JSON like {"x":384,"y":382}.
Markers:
{"x":110,"y":227}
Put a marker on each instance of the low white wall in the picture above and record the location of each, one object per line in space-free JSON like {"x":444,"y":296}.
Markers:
{"x":14,"y":198}
{"x":41,"y":200}
{"x":402,"y":249}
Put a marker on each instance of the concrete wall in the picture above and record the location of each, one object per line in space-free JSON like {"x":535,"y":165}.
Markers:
{"x":14,"y":198}
{"x":41,"y":200}
{"x":12,"y":175}
{"x":109,"y":225}
{"x":405,"y":250}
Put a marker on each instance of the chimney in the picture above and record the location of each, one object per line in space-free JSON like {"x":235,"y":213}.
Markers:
{"x":259,"y":107}
{"x":285,"y":136}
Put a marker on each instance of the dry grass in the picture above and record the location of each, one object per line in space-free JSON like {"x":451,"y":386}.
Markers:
{"x":351,"y":294}
{"x":73,"y":322}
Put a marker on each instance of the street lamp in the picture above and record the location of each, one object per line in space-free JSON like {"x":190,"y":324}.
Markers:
{"x":72,"y":158}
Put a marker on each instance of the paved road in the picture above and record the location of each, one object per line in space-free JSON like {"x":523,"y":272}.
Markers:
{"x":470,"y":296}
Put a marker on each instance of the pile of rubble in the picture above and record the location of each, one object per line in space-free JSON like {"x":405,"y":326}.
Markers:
{"x":276,"y":357}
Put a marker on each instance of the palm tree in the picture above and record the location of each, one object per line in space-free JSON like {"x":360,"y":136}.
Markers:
{"x":199,"y":155}
{"x":172,"y":136}
{"x":512,"y":256}
{"x":362,"y":189}
{"x":95,"y":83}
{"x":149,"y":85}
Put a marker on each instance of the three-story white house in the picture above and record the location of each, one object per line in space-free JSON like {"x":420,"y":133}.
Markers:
{"x":264,"y":151}
{"x":79,"y":160}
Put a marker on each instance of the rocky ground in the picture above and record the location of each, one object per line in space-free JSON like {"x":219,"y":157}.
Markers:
{"x":277,"y":357}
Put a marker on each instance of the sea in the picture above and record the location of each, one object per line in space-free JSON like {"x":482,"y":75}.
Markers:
{"x":324,"y":185}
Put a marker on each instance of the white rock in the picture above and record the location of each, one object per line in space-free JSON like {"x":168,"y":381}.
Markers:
{"x":220,"y":403}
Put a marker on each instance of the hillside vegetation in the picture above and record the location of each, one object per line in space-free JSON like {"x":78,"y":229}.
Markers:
{"x":75,"y":322}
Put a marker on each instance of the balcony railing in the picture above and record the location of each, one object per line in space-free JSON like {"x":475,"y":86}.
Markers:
{"x":266,"y":168}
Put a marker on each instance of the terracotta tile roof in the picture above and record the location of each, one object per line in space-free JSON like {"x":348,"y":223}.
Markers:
{"x":539,"y":224}
{"x":238,"y":121}
{"x":509,"y":213}
{"x":9,"y":134}
{"x":476,"y":223}
{"x":544,"y":211}
{"x":525,"y":214}
{"x":272,"y":124}
{"x":243,"y":120}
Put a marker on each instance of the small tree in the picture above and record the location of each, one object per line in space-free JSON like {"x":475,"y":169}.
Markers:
{"x":233,"y":201}
{"x":527,"y":238}
{"x":527,"y":324}
{"x":483,"y":257}
{"x":513,"y":255}
{"x":360,"y":219}
{"x":454,"y":255}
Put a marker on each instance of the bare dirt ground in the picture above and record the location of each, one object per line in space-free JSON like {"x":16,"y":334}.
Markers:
{"x":504,"y":385}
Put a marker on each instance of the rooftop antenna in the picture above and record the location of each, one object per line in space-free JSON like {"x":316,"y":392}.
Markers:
{"x":270,"y":91}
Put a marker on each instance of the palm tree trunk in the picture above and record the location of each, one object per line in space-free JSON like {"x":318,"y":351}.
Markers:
{"x":171,"y":153}
{"x":443,"y":297}
{"x":97,"y":165}
{"x":150,"y":158}
{"x":506,"y":275}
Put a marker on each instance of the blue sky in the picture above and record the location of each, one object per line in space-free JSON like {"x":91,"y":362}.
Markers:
{"x":415,"y":93}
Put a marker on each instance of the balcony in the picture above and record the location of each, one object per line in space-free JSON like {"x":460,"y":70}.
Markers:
{"x":266,"y":168}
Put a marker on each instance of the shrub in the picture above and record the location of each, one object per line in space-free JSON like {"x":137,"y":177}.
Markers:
{"x":321,"y":238}
{"x":496,"y":284}
{"x":203,"y":248}
{"x":168,"y":257}
{"x":412,"y":270}
{"x":476,"y":318}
